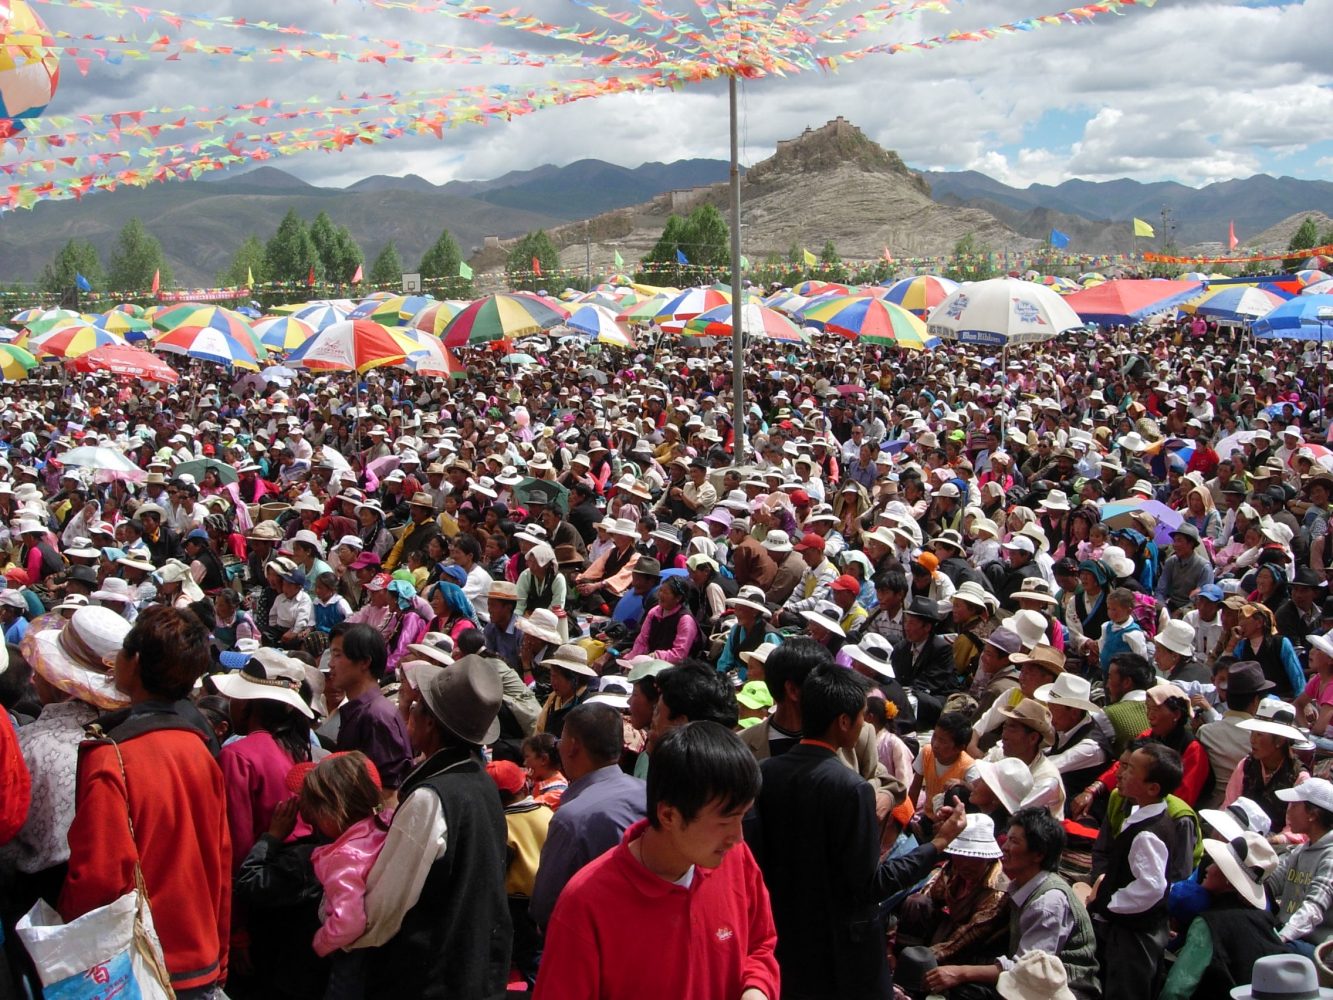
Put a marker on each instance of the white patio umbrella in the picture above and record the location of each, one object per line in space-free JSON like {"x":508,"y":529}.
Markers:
{"x":1000,"y":312}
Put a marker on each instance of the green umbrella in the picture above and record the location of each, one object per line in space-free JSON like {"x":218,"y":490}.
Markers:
{"x":553,"y":494}
{"x":197,"y":468}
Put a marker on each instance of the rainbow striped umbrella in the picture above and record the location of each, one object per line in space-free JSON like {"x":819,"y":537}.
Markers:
{"x":814,"y":287}
{"x":426,"y":353}
{"x":393,"y":311}
{"x":436,"y":316}
{"x":599,"y":323}
{"x":15,"y":363}
{"x":1235,"y":303}
{"x":129,"y":309}
{"x":872,"y":321}
{"x":283,"y":333}
{"x":132,"y":328}
{"x":756,"y":321}
{"x":72,"y":341}
{"x":192,"y":316}
{"x":51,"y":319}
{"x":1310,"y":276}
{"x":207,"y":343}
{"x":690,"y":303}
{"x":646,"y":310}
{"x":320,"y":314}
{"x":501,"y":317}
{"x":919,"y":294}
{"x":354,"y":345}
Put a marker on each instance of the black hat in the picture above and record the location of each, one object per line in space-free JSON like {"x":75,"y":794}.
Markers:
{"x":646,"y":566}
{"x":83,"y":574}
{"x":924,"y":607}
{"x":1307,"y":577}
{"x":1186,"y":530}
{"x":1247,"y":677}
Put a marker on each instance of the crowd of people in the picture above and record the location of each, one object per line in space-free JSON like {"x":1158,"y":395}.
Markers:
{"x":953,"y":673}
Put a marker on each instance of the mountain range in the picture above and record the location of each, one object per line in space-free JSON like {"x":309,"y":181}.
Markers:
{"x":831,"y":183}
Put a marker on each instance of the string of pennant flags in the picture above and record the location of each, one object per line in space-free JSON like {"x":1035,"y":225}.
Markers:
{"x":19,"y":297}
{"x":643,"y":49}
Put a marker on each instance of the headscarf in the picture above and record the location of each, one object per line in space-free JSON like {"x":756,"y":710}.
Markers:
{"x":404,"y":592}
{"x":542,"y":554}
{"x":456,"y":601}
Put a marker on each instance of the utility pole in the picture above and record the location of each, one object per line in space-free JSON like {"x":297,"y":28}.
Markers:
{"x":1167,"y":228}
{"x":587,"y":249}
{"x":737,"y":334}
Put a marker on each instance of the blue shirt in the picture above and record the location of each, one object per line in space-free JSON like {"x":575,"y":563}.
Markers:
{"x":504,"y":644}
{"x":594,"y":813}
{"x":15,"y":633}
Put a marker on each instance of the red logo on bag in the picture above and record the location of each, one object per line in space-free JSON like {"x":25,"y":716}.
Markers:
{"x":100,"y":974}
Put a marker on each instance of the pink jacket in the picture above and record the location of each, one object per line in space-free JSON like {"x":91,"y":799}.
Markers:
{"x":342,"y":868}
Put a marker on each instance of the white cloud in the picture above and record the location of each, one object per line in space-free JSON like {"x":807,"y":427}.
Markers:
{"x":1168,"y":93}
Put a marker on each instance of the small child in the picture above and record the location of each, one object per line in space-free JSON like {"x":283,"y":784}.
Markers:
{"x":494,"y":557}
{"x":1128,"y":903}
{"x":1098,"y":537}
{"x":340,"y":797}
{"x":527,"y":821}
{"x":541,"y":756}
{"x":330,"y":606}
{"x":893,"y":753}
{"x":942,"y":762}
{"x":417,"y":566}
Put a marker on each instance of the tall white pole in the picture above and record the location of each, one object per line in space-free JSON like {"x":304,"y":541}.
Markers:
{"x":737,"y":335}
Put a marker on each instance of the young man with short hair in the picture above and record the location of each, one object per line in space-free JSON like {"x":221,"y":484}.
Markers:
{"x":815,"y":835}
{"x":682,"y":879}
{"x":367,"y":720}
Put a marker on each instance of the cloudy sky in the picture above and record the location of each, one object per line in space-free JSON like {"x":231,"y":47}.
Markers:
{"x":1190,"y":91}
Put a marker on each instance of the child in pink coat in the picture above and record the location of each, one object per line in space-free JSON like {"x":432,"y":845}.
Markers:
{"x":340,"y":797}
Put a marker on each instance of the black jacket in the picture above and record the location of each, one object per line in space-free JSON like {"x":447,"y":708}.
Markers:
{"x":1013,"y":583}
{"x":584,"y":518}
{"x":932,"y":671}
{"x":813,"y":832}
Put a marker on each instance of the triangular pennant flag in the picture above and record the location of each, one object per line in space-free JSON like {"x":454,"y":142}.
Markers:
{"x":83,"y":284}
{"x":157,"y":281}
{"x":888,"y":257}
{"x":1059,"y":240}
{"x":249,"y":277}
{"x":1232,"y":242}
{"x":358,"y":276}
{"x":536,"y":267}
{"x":464,"y":271}
{"x":680,"y":256}
{"x":619,"y":261}
{"x":310,"y":278}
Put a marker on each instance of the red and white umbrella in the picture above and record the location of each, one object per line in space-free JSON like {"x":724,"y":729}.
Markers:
{"x":352,"y":345}
{"x":126,"y":362}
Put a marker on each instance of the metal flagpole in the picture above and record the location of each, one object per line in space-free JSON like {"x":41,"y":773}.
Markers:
{"x":737,"y":334}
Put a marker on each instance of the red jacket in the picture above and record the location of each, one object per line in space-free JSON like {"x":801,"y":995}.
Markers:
{"x":1195,"y":765}
{"x":15,"y":782}
{"x":178,"y":805}
{"x":714,"y":939}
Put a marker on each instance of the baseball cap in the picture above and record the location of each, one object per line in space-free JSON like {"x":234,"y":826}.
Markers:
{"x":1316,"y":791}
{"x":812,"y":541}
{"x":380,"y":581}
{"x":846,"y":583}
{"x":507,"y":775}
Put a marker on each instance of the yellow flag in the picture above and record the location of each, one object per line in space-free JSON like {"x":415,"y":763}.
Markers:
{"x":250,"y":277}
{"x":810,"y":259}
{"x":1142,"y":228}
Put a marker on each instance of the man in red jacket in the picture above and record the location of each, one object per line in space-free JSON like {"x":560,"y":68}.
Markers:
{"x":683,"y":879}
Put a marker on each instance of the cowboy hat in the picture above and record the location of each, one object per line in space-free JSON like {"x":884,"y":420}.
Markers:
{"x":1069,"y":691}
{"x":1036,"y":974}
{"x":76,"y":658}
{"x":1283,"y":977}
{"x":1009,"y":778}
{"x":750,"y":597}
{"x":268,"y":675}
{"x":466,"y":697}
{"x":1035,"y":716}
{"x":571,"y":658}
{"x":873,"y":652}
{"x":757,"y":656}
{"x":541,"y":624}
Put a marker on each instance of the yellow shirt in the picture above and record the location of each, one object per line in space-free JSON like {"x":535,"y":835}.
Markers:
{"x":527,"y":822}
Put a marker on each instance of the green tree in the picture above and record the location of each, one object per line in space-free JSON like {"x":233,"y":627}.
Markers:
{"x":135,"y":259}
{"x":441,"y":262}
{"x":388,"y":267}
{"x":248,"y":260}
{"x":1305,"y":237}
{"x":832,"y":268}
{"x":339,"y":255}
{"x":1327,"y":239}
{"x":971,"y":261}
{"x":519,"y":271}
{"x":709,"y":237}
{"x":74,"y":258}
{"x":290,"y":253}
{"x":703,"y":239}
{"x":661,"y":264}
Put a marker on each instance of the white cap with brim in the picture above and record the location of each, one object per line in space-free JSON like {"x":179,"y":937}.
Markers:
{"x":1316,"y":791}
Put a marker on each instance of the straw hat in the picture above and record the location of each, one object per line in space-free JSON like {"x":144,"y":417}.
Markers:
{"x":466,"y":698}
{"x":114,"y":589}
{"x":1042,"y":655}
{"x":267,"y":676}
{"x":572,"y":658}
{"x":541,"y":624}
{"x":977,"y":840}
{"x":624,"y":527}
{"x":77,"y":658}
{"x":972,"y":593}
{"x":1034,"y":588}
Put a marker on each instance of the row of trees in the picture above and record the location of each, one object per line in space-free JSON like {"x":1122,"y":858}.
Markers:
{"x":1306,"y":236}
{"x":289,"y":256}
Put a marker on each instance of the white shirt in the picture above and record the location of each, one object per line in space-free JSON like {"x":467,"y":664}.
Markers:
{"x":1147,"y":861}
{"x":417,"y":838}
{"x":477,"y":587}
{"x":293,"y":613}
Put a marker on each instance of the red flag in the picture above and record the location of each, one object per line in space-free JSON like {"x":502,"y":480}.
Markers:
{"x":1232,"y":242}
{"x":888,"y":257}
{"x":536,"y":267}
{"x":157,"y":281}
{"x":356,"y":277}
{"x":310,"y":278}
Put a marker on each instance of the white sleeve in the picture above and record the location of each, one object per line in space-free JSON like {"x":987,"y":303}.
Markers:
{"x":1137,"y":640}
{"x":417,"y":839}
{"x":1147,"y":862}
{"x":1084,"y":753}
